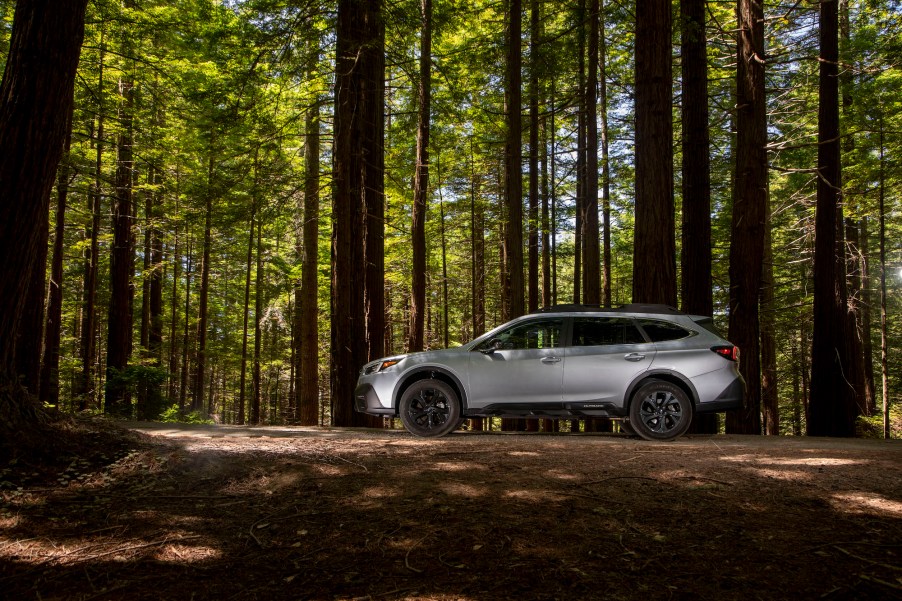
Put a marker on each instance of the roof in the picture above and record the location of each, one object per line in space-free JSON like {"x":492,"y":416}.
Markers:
{"x":631,"y":308}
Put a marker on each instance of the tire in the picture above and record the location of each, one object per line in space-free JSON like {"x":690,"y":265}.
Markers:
{"x":430,"y":408}
{"x":660,"y":411}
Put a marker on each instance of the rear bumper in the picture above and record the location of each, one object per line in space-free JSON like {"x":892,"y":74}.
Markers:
{"x":732,"y":397}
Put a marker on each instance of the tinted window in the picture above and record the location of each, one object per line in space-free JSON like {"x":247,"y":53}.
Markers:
{"x":662,"y":331}
{"x":601,"y":331}
{"x":538,"y":334}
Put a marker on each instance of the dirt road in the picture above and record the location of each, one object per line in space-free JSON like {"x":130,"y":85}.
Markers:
{"x":221,"y":512}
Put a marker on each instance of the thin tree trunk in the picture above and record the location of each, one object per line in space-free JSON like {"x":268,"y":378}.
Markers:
{"x":421,"y":184}
{"x":84,"y":390}
{"x":884,"y":371}
{"x":533,"y":213}
{"x":183,"y":388}
{"x":308,"y":389}
{"x":769,"y":393}
{"x":242,"y":378}
{"x":605,"y":163}
{"x":200,"y":365}
{"x":592,"y":259}
{"x":259,"y":292}
{"x":49,"y":384}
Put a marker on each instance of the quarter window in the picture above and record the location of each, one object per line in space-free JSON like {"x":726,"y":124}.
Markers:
{"x":661,"y":331}
{"x":603,"y":331}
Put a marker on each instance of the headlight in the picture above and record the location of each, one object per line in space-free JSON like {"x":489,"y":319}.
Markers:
{"x":388,"y":363}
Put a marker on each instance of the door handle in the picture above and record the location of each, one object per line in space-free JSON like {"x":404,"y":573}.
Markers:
{"x":634,"y":357}
{"x":551,"y":359}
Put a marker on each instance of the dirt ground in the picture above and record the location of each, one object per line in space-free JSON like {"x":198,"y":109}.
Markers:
{"x":219,"y":512}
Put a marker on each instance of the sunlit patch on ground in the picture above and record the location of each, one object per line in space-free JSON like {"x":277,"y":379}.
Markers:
{"x":178,"y":553}
{"x":380,"y":492}
{"x":462,"y":490}
{"x":457,"y":466}
{"x":866,"y":502}
{"x":559,"y":475}
{"x":532,"y":496}
{"x":814,"y":461}
{"x":523,"y":454}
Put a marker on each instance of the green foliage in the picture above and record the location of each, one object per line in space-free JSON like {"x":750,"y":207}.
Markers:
{"x":173,"y":415}
{"x":222,"y":91}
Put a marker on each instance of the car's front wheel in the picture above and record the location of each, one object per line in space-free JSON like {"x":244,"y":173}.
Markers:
{"x":430,"y":408}
{"x":660,"y":410}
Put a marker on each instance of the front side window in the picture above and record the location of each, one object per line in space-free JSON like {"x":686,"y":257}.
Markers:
{"x":605,"y":331}
{"x":537,"y":334}
{"x":662,"y":331}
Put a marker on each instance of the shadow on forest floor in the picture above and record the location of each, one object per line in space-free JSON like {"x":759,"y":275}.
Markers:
{"x":218,"y":512}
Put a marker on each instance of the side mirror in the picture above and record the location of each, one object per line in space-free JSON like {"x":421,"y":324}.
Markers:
{"x":495,"y":344}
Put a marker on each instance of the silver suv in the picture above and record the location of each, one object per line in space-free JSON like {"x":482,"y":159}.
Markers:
{"x":649,"y":365}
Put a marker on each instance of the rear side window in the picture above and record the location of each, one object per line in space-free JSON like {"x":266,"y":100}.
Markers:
{"x":662,"y":331}
{"x":603,"y":331}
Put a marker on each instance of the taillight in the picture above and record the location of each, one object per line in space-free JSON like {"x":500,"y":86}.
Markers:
{"x":729,"y":352}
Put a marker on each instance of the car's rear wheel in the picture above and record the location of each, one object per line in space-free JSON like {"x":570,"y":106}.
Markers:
{"x":660,"y":410}
{"x":430,"y":408}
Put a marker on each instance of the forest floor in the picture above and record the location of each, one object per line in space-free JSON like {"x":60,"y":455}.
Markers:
{"x":219,"y":512}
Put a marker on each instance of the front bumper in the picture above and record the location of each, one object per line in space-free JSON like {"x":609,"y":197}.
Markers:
{"x":366,"y":400}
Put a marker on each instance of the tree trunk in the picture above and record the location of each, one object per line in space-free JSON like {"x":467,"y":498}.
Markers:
{"x":260,"y":290}
{"x":122,"y":261}
{"x":200,"y":365}
{"x":533,"y":214}
{"x":513,"y":175}
{"x":749,"y":213}
{"x":605,"y":164}
{"x":242,"y":378}
{"x":695,"y":258}
{"x":592,"y":259}
{"x":49,"y":384}
{"x":35,"y":100}
{"x":654,"y":254}
{"x":769,"y":393}
{"x":421,"y":184}
{"x":189,"y":266}
{"x":358,"y":171}
{"x":881,"y":211}
{"x":308,"y":389}
{"x":832,"y":410}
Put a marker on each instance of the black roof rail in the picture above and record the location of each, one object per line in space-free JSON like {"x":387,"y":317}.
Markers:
{"x":631,"y":308}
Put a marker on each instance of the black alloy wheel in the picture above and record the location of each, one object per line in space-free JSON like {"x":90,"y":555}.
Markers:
{"x":430,"y":408}
{"x":660,"y":411}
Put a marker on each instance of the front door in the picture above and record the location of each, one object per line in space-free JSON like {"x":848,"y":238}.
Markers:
{"x":521,"y":365}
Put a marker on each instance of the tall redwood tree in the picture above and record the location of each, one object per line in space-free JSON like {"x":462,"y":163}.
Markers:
{"x":654,"y":253}
{"x":35,"y":98}
{"x":833,"y":408}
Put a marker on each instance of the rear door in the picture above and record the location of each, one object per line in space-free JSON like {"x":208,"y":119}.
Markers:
{"x":605,"y":354}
